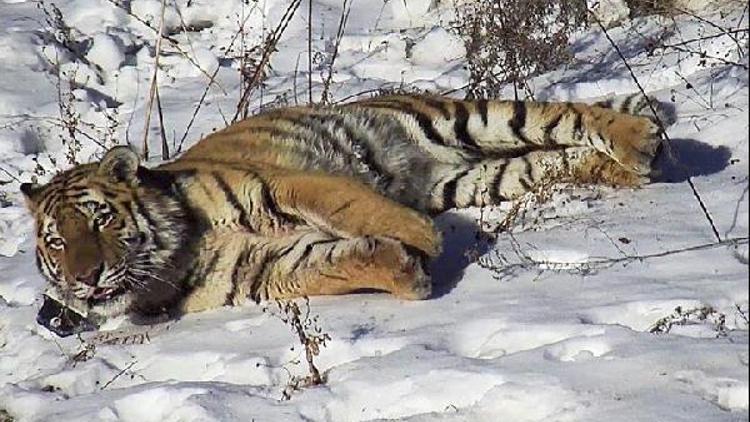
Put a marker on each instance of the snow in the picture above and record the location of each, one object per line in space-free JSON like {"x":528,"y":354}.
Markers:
{"x":560,"y":321}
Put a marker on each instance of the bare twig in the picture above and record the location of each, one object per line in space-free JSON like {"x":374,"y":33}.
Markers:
{"x":10,"y":174}
{"x":235,"y":37}
{"x":172,"y":41}
{"x":310,"y":336}
{"x":164,"y":145}
{"x":152,"y":91}
{"x":346,"y":9}
{"x":268,"y":49}
{"x":706,"y":37}
{"x":663,"y":131}
{"x":309,"y":52}
{"x":682,"y":316}
{"x":118,"y":375}
{"x":504,"y":267}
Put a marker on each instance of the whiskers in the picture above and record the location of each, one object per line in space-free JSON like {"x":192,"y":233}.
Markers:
{"x":139,"y":270}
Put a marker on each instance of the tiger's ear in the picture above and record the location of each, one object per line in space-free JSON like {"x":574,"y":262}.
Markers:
{"x":31,"y":192}
{"x":120,"y":164}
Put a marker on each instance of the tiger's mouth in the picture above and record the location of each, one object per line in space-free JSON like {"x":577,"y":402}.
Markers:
{"x":99,"y":295}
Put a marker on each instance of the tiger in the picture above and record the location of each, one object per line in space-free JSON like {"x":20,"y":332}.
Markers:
{"x":313,"y":200}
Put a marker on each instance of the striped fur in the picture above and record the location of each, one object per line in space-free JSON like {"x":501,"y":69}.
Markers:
{"x":313,"y":200}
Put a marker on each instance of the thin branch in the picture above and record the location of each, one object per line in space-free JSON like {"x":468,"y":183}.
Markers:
{"x":240,"y":31}
{"x":152,"y":91}
{"x":160,"y":113}
{"x":664,"y":134}
{"x":586,"y":267}
{"x":268,"y":50}
{"x":346,"y":9}
{"x":707,"y":37}
{"x":118,"y":375}
{"x":709,"y":56}
{"x":309,"y":52}
{"x":172,"y":41}
{"x":10,"y":174}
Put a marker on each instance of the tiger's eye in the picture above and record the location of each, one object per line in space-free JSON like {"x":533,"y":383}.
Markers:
{"x":103,"y":219}
{"x":56,"y":242}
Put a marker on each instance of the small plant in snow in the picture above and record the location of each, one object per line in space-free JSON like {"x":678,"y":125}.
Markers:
{"x":699,"y":315}
{"x":85,"y":351}
{"x":507,"y":41}
{"x":310,"y":336}
{"x":5,"y":416}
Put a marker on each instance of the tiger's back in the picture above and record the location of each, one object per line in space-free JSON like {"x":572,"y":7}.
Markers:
{"x":421,"y":150}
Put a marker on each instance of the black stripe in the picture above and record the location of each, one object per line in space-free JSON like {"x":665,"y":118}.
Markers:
{"x":39,"y":259}
{"x":188,"y":277}
{"x":449,"y":190}
{"x":495,"y":184}
{"x":308,"y":250}
{"x":578,"y":124}
{"x":51,"y":203}
{"x":228,"y":165}
{"x":329,"y":254}
{"x":424,"y":121}
{"x":77,"y":193}
{"x":353,"y":147}
{"x":258,"y":277}
{"x":370,"y":127}
{"x":518,"y":121}
{"x":209,"y":269}
{"x":284,"y":252}
{"x":461,"y":126}
{"x":141,"y":209}
{"x":482,"y":106}
{"x":526,"y":180}
{"x":129,"y":208}
{"x":241,"y":259}
{"x":438,"y":105}
{"x":604,"y":104}
{"x":274,"y":130}
{"x":271,"y":203}
{"x":112,"y":196}
{"x":516,"y":152}
{"x":43,"y":263}
{"x":550,"y":127}
{"x":625,"y":106}
{"x":566,"y":161}
{"x":343,"y":206}
{"x":233,"y":200}
{"x":183,"y":201}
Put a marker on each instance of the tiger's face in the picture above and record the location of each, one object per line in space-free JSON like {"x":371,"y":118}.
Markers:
{"x":106,"y":238}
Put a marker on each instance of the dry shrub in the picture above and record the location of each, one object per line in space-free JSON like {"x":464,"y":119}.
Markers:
{"x":650,"y":7}
{"x":5,"y":416}
{"x":507,"y":41}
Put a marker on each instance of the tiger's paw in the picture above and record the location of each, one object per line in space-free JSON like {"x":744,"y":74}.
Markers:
{"x":635,"y":143}
{"x":412,"y":282}
{"x":403,"y":266}
{"x":416,"y":230}
{"x":600,"y":168}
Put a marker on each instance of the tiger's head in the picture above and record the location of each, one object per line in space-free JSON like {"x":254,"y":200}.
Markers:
{"x":110,"y":236}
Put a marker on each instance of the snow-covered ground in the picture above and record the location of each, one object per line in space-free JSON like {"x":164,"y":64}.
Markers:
{"x":566,"y":319}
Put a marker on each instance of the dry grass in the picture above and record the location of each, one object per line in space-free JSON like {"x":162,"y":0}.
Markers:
{"x":508,"y":41}
{"x":311,"y":337}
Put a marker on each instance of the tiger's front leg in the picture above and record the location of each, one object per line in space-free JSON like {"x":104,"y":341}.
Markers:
{"x":307,"y":262}
{"x":346,"y":208}
{"x":334,"y":266}
{"x":303,"y":263}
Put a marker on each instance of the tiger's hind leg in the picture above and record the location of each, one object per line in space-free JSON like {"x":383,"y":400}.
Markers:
{"x":452,"y":130}
{"x":318,"y":264}
{"x":494,"y":181}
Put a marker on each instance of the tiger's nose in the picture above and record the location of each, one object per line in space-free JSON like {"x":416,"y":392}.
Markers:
{"x":91,"y":277}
